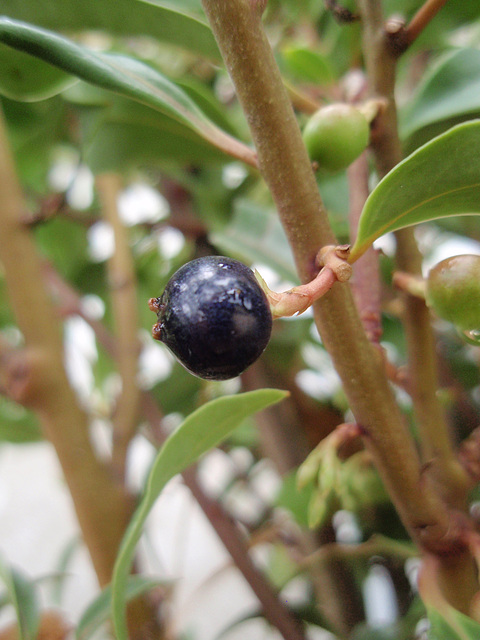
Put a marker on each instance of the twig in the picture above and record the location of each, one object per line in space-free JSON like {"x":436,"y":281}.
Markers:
{"x":366,"y":278}
{"x":401,"y":36}
{"x":122,"y":282}
{"x":377,"y":545}
{"x":422,"y":365}
{"x":341,"y":14}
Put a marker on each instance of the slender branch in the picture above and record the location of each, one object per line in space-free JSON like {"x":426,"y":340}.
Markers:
{"x":286,"y":168}
{"x":366,"y":279}
{"x":422,"y":363}
{"x":377,"y":545}
{"x":402,"y":37}
{"x":121,"y":276}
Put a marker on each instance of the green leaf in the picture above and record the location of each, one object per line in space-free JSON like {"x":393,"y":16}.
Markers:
{"x":204,"y":429}
{"x":25,"y":78}
{"x":98,"y":612}
{"x":17,"y":424}
{"x":255,"y":235}
{"x":126,"y":134}
{"x":306,"y":65}
{"x":450,"y":90}
{"x":22,"y":594}
{"x":118,"y":73}
{"x":450,"y":624}
{"x":440,"y":179}
{"x":175,"y":23}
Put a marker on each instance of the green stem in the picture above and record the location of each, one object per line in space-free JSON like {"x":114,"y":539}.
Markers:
{"x":286,"y":168}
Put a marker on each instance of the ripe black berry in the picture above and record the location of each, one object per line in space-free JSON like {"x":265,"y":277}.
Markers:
{"x":214,"y":316}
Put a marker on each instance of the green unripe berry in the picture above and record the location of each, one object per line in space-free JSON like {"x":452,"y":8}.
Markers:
{"x":336,"y":135}
{"x":453,"y":291}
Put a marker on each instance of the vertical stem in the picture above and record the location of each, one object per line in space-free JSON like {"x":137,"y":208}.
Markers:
{"x":286,"y":168}
{"x":366,"y":275}
{"x":121,"y":277}
{"x":436,"y":445}
{"x":102,"y":507}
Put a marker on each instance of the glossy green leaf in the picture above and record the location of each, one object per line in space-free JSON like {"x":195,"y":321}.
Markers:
{"x":22,"y":594}
{"x":440,"y":179}
{"x":176,"y":23}
{"x":451,"y":89}
{"x":204,"y":429}
{"x":118,"y":73}
{"x":98,"y":612}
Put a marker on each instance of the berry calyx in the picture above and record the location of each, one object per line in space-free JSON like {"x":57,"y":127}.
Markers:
{"x":214,"y":317}
{"x":453,"y":291}
{"x":336,"y":135}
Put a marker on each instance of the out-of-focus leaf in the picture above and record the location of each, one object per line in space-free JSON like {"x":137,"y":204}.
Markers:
{"x":446,"y":622}
{"x":98,"y":612}
{"x":127,"y":134}
{"x":295,"y":500}
{"x":25,"y":78}
{"x":17,"y":424}
{"x":204,"y":429}
{"x":22,"y":594}
{"x":450,"y":90}
{"x":121,"y":74}
{"x":34,"y":128}
{"x":175,"y":23}
{"x":440,"y":179}
{"x":256,"y":235}
{"x":64,"y":242}
{"x":306,"y":65}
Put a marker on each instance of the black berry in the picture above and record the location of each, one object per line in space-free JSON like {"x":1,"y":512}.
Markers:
{"x":214,"y":316}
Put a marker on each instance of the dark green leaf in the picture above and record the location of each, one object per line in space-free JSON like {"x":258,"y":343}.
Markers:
{"x":440,"y":179}
{"x":204,"y":429}
{"x":118,"y":73}
{"x":176,"y":23}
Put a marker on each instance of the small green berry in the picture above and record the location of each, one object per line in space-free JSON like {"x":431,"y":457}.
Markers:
{"x":453,"y":291}
{"x":336,"y":135}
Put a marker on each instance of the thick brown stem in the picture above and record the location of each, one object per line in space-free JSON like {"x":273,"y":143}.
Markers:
{"x":286,"y":168}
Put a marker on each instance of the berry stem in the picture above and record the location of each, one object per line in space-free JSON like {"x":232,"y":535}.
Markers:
{"x":333,"y":260}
